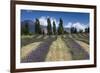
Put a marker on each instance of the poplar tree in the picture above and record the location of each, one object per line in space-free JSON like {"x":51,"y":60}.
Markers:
{"x":37,"y":26}
{"x":54,"y":27}
{"x":60,"y":28}
{"x":49,"y":28}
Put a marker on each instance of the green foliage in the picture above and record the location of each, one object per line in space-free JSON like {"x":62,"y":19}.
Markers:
{"x":49,"y":28}
{"x":37,"y":26}
{"x":87,"y":30}
{"x":73,"y":30}
{"x":60,"y":28}
{"x":80,"y":31}
{"x":65,"y":32}
{"x":54,"y":28}
{"x":25,"y":29}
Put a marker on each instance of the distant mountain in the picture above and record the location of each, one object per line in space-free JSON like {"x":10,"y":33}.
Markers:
{"x":77,"y":25}
{"x":67,"y":29}
{"x":30,"y":24}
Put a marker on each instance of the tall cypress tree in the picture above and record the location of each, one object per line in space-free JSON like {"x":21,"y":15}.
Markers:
{"x":87,"y":30}
{"x":60,"y":28}
{"x":49,"y":28}
{"x":37,"y":26}
{"x":54,"y":27}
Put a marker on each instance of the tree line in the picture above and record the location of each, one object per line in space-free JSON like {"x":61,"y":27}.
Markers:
{"x":51,"y":30}
{"x":74,"y":30}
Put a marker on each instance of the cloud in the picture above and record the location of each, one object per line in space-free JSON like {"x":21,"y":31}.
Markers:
{"x":43,"y":20}
{"x":53,"y":19}
{"x":68,"y":25}
{"x":77,"y":25}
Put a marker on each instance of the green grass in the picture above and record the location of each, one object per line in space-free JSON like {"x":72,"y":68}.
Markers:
{"x":25,"y":40}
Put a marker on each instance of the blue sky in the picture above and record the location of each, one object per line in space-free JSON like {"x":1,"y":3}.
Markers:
{"x":67,"y":17}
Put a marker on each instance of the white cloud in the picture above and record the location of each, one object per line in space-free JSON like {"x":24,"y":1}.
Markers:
{"x":43,"y":20}
{"x":53,"y":19}
{"x":68,"y":25}
{"x":77,"y":25}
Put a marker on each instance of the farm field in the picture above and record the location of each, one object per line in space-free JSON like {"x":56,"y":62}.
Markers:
{"x":42,"y":48}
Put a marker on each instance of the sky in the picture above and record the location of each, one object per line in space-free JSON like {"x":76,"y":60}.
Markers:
{"x":80,"y":20}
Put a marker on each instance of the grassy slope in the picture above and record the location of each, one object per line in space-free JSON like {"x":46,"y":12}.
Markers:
{"x":25,"y":40}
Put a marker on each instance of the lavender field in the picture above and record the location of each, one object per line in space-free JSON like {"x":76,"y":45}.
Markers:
{"x":42,"y":48}
{"x":54,"y":36}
